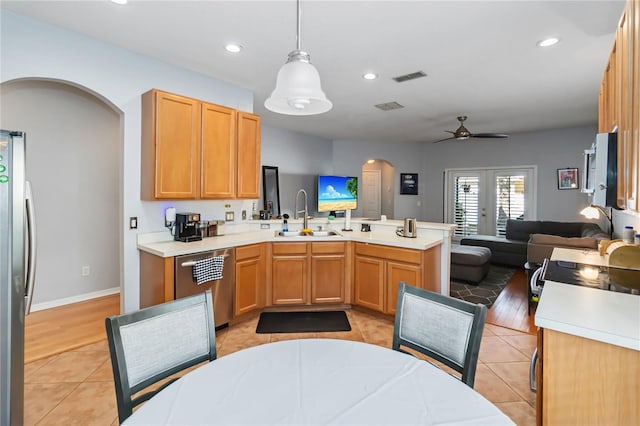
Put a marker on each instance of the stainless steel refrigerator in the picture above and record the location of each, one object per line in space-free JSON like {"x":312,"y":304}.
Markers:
{"x":17,"y":272}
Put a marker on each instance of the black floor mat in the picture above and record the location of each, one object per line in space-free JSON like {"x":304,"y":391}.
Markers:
{"x":302,"y":322}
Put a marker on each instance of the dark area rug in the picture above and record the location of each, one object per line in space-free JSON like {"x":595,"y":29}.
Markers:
{"x":487,"y":291}
{"x":302,"y":322}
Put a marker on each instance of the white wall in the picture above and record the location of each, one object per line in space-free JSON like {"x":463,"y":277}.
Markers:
{"x":73,"y":163}
{"x":30,"y":48}
{"x":299,"y":158}
{"x":349,"y":156}
{"x":549,"y":150}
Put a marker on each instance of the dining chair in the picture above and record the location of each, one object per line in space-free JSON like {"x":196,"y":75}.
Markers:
{"x":446,"y":329}
{"x":151,"y":344}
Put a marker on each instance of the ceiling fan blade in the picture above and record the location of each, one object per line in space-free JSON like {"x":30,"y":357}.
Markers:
{"x":442,"y":140}
{"x":449,"y":131}
{"x":489,"y":135}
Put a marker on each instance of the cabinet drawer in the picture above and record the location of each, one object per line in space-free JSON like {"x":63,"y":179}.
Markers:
{"x":247,"y":252}
{"x":289,"y":248}
{"x":389,"y":253}
{"x":327,"y":247}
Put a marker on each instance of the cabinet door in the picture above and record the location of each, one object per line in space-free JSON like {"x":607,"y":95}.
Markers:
{"x":250,"y":279}
{"x":587,"y":382}
{"x":369,"y":282}
{"x":396,"y":272}
{"x":248,"y":159}
{"x":289,"y":280}
{"x":170,"y":146}
{"x":218,"y":152}
{"x":634,"y":7}
{"x":327,"y":278}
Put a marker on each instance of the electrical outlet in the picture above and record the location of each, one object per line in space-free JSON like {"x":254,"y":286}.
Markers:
{"x":229,"y":216}
{"x":244,"y":215}
{"x":133,"y":222}
{"x":265,"y":226}
{"x":86,"y":271}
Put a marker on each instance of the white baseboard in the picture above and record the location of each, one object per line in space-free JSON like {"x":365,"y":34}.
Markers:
{"x":74,"y":299}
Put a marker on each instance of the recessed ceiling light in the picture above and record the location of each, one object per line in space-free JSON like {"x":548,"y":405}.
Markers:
{"x":548,"y":42}
{"x":370,"y":76}
{"x":233,"y":48}
{"x":119,"y":1}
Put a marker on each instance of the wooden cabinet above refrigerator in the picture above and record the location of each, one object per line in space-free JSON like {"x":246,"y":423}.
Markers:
{"x":197,"y":150}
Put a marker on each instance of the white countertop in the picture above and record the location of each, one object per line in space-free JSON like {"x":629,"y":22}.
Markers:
{"x":159,"y":244}
{"x":600,"y":315}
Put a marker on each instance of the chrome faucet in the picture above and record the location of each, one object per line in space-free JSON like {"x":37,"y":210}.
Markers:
{"x":305,"y":222}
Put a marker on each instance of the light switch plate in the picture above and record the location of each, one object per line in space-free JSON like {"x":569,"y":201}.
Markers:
{"x":229,"y":216}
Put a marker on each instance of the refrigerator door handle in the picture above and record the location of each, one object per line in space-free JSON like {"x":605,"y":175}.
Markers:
{"x":30,"y":257}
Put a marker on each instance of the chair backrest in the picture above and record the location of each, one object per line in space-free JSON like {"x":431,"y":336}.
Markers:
{"x":446,"y":329}
{"x":151,"y":344}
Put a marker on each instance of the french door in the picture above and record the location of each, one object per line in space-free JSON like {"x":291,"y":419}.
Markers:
{"x":480,"y":201}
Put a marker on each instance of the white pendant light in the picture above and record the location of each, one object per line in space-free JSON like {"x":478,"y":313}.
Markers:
{"x":298,"y":90}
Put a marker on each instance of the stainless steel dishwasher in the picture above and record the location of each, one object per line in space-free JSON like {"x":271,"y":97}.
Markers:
{"x":222,"y":290}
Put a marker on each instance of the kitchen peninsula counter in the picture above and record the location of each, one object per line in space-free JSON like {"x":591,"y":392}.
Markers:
{"x":383,"y":233}
{"x":423,"y":260}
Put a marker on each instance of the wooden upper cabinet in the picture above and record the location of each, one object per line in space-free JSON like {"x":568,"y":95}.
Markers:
{"x":619,"y":106}
{"x":248,"y":155}
{"x":197,"y":150}
{"x":635,"y":115}
{"x":170,"y":164}
{"x":218,"y":152}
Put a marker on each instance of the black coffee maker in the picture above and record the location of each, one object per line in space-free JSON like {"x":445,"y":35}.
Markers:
{"x":187,"y":227}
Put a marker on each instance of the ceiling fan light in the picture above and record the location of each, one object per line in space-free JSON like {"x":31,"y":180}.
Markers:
{"x":298,"y":90}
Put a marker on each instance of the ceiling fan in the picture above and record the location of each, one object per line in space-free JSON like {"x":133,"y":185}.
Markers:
{"x":462,"y":133}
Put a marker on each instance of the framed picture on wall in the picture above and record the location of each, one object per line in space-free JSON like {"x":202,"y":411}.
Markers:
{"x":409,"y":183}
{"x":568,"y":178}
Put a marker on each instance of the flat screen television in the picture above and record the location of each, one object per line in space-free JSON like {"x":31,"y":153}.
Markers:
{"x":337,"y":193}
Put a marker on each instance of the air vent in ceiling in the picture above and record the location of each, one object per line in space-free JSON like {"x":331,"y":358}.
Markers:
{"x":412,"y":76}
{"x":389,"y":106}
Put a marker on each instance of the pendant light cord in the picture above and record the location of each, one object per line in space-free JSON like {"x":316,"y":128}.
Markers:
{"x":298,"y":41}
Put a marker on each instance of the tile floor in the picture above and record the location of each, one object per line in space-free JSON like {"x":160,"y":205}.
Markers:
{"x":76,"y":387}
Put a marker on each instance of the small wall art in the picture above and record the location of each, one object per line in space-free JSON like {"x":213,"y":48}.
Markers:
{"x":409,"y":183}
{"x":568,"y":178}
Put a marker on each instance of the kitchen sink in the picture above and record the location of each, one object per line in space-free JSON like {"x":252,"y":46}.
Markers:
{"x":312,"y":234}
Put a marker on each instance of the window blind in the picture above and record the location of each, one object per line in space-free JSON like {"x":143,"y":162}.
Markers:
{"x":510,"y":201}
{"x":466,"y":200}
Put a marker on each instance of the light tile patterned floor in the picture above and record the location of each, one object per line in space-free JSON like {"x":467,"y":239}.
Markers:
{"x":76,"y":387}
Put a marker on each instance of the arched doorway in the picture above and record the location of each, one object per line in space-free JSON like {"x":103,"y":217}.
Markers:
{"x":377,"y":189}
{"x":74,"y":161}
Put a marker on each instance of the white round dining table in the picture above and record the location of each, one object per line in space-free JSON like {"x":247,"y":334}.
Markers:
{"x":318,"y":382}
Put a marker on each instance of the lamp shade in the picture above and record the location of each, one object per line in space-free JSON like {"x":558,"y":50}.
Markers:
{"x":590,"y":212}
{"x":298,"y":90}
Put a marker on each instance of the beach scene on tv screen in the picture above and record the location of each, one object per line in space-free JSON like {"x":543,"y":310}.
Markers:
{"x":337,"y":193}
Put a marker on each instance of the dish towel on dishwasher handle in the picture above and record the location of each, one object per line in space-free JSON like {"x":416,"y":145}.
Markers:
{"x":209,"y":269}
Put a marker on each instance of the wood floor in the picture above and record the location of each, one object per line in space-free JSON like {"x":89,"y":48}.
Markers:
{"x":510,"y":308}
{"x":53,"y":331}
